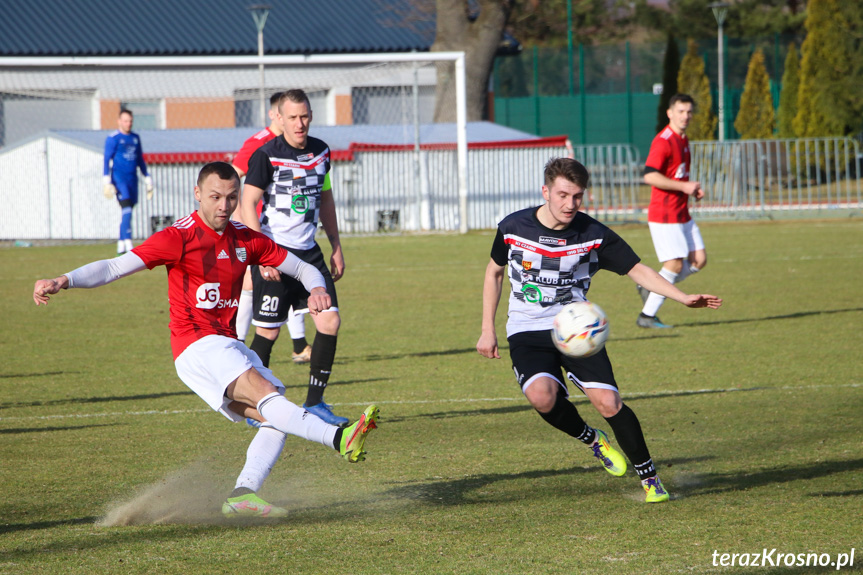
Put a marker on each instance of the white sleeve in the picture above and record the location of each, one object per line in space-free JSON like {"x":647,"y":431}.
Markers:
{"x":105,"y":271}
{"x":307,"y":274}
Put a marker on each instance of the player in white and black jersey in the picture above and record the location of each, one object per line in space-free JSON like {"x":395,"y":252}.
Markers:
{"x":291,"y":174}
{"x":550,"y":254}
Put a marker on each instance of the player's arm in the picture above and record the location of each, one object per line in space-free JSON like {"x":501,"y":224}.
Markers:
{"x":656,"y":179}
{"x":92,"y":275}
{"x":108,"y":188}
{"x":312,"y":280}
{"x":649,"y":279}
{"x":258,"y":178}
{"x":491,"y":290}
{"x":331,"y":228}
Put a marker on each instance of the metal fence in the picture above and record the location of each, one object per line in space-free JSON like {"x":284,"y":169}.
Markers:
{"x":764,"y":178}
{"x":52,"y":187}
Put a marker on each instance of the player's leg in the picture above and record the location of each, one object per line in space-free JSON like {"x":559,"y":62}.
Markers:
{"x":269,"y":311}
{"x":670,"y":243}
{"x":595,"y":377}
{"x":297,"y":328}
{"x":244,"y":307}
{"x":697,"y":257}
{"x":327,"y":325}
{"x":127,"y":200}
{"x":536,"y":364}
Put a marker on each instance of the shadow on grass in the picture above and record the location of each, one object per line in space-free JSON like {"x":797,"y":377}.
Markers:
{"x":853,"y":493}
{"x":794,"y":315}
{"x":13,"y":527}
{"x":464,"y":413}
{"x":74,"y":400}
{"x":389,"y":356}
{"x":41,"y":429}
{"x":42,"y":374}
{"x":713,"y":483}
{"x":305,"y":384}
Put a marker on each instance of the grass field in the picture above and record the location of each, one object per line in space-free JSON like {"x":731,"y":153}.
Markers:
{"x":752,"y":412}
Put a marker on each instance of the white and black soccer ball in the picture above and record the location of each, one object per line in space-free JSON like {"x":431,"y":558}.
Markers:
{"x":580,"y":329}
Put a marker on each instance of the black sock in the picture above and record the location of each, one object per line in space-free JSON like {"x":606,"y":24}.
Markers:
{"x":300,"y":344}
{"x":564,"y":416}
{"x":263,"y":347}
{"x":320,"y":366}
{"x":337,"y":438}
{"x":628,"y":433}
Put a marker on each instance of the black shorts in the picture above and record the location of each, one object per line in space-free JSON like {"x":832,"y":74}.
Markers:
{"x":533,"y":354}
{"x":273,"y":300}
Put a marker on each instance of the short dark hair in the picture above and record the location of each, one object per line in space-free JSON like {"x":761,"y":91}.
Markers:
{"x":275,"y":99}
{"x":296,"y":96}
{"x":684,"y":98}
{"x":568,"y":169}
{"x":224,"y":170}
{"x":125,"y":111}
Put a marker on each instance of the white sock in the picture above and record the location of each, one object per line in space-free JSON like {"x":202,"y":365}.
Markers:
{"x":263,"y":452}
{"x":288,"y":418}
{"x":121,"y":247}
{"x":244,"y":314}
{"x":654,"y":300}
{"x":296,"y":324}
{"x":688,"y":270}
{"x":129,"y":245}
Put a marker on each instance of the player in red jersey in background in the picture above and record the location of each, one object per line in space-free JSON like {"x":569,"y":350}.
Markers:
{"x":206,"y":255}
{"x":676,"y":236}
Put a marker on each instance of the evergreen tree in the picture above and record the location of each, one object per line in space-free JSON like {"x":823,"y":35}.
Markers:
{"x":755,"y":118}
{"x":822,"y":107}
{"x":670,"y":68}
{"x":692,"y":80}
{"x":788,"y":95}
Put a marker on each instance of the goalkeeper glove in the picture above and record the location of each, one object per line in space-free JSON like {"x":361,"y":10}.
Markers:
{"x":148,"y":181}
{"x":108,"y":188}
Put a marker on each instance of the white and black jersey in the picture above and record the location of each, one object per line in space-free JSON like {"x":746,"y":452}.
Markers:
{"x":292,"y":181}
{"x":550,"y":268}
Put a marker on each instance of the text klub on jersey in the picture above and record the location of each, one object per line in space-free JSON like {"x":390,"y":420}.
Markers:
{"x":209,"y":297}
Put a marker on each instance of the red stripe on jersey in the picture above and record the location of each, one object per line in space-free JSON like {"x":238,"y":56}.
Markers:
{"x":546,"y":252}
{"x":277,"y":162}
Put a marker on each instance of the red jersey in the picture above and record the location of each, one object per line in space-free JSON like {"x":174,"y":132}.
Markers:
{"x":205,"y":274}
{"x":669,"y":155}
{"x":241,"y":160}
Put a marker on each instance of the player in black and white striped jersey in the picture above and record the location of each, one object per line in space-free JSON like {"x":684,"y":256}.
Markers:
{"x":550,"y":253}
{"x":291,"y":174}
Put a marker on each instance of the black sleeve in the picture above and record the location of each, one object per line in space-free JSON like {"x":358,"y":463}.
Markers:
{"x":615,"y":254}
{"x":499,"y":251}
{"x":260,"y":172}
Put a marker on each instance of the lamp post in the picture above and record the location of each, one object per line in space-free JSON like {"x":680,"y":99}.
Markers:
{"x":259,"y":15}
{"x":720,"y":10}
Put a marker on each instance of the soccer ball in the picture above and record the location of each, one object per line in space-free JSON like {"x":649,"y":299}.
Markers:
{"x":580,"y":329}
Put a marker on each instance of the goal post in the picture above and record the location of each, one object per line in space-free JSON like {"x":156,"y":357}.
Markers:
{"x":78,"y":94}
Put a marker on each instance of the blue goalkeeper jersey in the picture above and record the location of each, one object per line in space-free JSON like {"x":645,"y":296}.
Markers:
{"x":123,"y":154}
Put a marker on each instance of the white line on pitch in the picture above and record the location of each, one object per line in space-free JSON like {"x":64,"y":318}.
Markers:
{"x":635,"y":395}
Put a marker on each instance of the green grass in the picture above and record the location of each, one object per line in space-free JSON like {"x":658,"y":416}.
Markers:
{"x":752,"y":412}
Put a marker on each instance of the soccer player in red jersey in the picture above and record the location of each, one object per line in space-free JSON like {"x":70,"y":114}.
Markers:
{"x":206,"y":255}
{"x":675,"y":234}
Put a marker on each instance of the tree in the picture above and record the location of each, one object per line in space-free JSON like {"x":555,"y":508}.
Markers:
{"x":822,"y":108}
{"x":692,"y":80}
{"x":478,"y":35}
{"x":788,"y":95}
{"x":755,"y":118}
{"x":670,"y":68}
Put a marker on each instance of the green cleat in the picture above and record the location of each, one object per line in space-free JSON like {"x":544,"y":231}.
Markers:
{"x":654,"y":489}
{"x":353,"y":437}
{"x":611,"y":459}
{"x":250,"y":505}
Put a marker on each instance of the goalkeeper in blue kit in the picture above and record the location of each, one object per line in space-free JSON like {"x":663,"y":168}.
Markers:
{"x":123,"y":157}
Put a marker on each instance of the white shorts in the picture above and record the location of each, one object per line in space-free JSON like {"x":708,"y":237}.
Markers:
{"x":212,"y":363}
{"x":675,"y":241}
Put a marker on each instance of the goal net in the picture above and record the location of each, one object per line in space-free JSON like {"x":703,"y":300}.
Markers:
{"x":191,"y":109}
